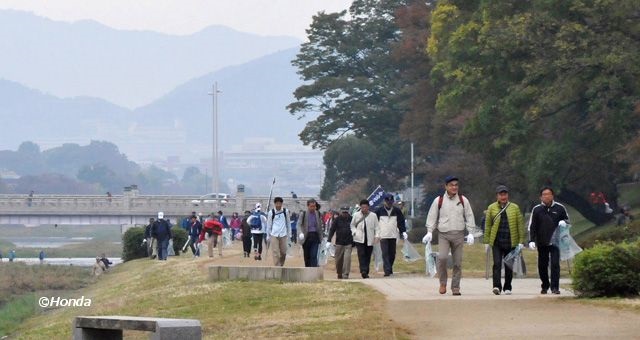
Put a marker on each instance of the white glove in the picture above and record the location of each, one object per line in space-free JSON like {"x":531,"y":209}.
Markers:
{"x":301,"y":236}
{"x":520,"y":246}
{"x":562,"y":224}
{"x":405,"y":236}
{"x":532,"y":245}
{"x":328,"y":245}
{"x":486,"y":247}
{"x":427,"y":238}
{"x":268,"y":237}
{"x":470,"y":239}
{"x":144,"y":241}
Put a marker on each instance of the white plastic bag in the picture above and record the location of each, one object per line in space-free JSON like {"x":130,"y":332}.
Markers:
{"x":511,"y":258}
{"x":377,"y":257}
{"x":323,"y":253}
{"x":226,"y":238}
{"x":562,"y":239}
{"x":410,"y":254}
{"x":170,"y":251}
{"x":430,"y":258}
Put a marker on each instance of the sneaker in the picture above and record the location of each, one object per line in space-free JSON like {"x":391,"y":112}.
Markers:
{"x":365,"y":275}
{"x":555,"y":291}
{"x":339,"y":276}
{"x":496,"y":291}
{"x":455,"y":291}
{"x":387,"y":274}
{"x":544,"y":291}
{"x":259,"y":257}
{"x":507,"y":292}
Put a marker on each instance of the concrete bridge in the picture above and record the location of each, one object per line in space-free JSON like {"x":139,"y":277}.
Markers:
{"x":128,"y":209}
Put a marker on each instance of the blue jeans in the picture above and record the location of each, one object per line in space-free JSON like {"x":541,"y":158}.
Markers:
{"x":162,"y":249}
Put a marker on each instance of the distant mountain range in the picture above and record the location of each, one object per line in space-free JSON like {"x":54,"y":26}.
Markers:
{"x":46,"y":66}
{"x":252,"y":104}
{"x":129,"y":68}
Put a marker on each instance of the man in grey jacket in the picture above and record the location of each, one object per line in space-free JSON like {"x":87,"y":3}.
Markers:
{"x":365,"y":231}
{"x":451,"y":214}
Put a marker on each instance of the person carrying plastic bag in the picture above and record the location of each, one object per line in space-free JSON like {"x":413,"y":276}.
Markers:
{"x":505,"y":235}
{"x":546,"y":217}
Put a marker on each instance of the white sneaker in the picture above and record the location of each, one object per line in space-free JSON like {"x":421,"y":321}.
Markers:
{"x":496,"y":290}
{"x":507,"y":292}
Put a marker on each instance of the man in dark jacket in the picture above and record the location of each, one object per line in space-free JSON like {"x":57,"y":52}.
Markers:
{"x":152,"y":245}
{"x":341,"y":227}
{"x":246,"y":234}
{"x":545,"y":218}
{"x":195,"y":228}
{"x":161,"y":230}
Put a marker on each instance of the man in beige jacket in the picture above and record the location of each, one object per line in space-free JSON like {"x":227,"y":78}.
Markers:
{"x":365,"y":231}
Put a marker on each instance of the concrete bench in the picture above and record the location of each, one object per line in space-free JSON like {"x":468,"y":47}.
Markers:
{"x":285,"y":274}
{"x":112,"y":327}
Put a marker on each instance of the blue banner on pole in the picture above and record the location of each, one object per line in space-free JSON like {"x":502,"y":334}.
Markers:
{"x":376,"y":197}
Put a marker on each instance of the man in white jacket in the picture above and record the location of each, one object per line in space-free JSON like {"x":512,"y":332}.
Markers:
{"x":392,"y":225}
{"x":451,"y":214}
{"x":278,"y":231}
{"x":365,"y":231}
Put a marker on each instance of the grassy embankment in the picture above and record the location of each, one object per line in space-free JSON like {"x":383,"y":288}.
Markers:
{"x":20,"y":284}
{"x":179,"y":289}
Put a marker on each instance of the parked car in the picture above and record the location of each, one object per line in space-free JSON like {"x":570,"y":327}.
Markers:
{"x":212,"y":198}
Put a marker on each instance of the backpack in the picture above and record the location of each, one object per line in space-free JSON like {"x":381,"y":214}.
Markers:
{"x":273,"y":213}
{"x":256,"y":221}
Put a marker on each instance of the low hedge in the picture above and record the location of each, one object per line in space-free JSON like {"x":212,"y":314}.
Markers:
{"x":608,"y":269}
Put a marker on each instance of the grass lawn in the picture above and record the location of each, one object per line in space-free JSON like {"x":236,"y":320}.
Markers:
{"x":179,"y":288}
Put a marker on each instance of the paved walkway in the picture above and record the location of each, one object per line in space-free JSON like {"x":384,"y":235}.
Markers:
{"x":426,"y":289}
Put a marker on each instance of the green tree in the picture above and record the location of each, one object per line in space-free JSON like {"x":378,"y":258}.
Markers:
{"x":353,"y":87}
{"x":546,"y":89}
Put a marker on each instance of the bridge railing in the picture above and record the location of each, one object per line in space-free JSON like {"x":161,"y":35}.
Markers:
{"x":136,"y":204}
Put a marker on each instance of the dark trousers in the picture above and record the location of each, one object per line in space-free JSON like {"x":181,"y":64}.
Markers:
{"x":499,"y":254}
{"x":257,"y":243}
{"x":192,"y":244}
{"x":310,"y":249}
{"x":364,"y":257}
{"x":544,"y":253}
{"x":162,"y":249}
{"x":388,"y":246}
{"x":246,"y":243}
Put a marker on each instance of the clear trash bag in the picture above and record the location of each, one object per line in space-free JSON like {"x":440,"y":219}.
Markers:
{"x":519,"y":267}
{"x":511,"y":258}
{"x":170,"y":251}
{"x":377,"y":257}
{"x":431,"y":259}
{"x":409,"y":253}
{"x":323,"y":253}
{"x":562,"y":239}
{"x":226,"y":238}
{"x":332,"y":250}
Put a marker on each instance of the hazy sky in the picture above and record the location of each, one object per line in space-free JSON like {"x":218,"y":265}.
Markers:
{"x":266,"y":17}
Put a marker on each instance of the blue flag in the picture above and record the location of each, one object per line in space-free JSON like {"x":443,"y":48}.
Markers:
{"x":376,"y":197}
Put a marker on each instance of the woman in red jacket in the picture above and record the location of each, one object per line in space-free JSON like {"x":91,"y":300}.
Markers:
{"x":213,"y":228}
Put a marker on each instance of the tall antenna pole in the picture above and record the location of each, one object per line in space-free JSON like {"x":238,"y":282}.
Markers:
{"x":214,"y":158}
{"x":412,"y":200}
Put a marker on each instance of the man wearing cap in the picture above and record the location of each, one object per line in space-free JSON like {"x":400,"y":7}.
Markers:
{"x":392,"y":225}
{"x":365,"y":231}
{"x":258,"y":223}
{"x":341,"y":227}
{"x":451,"y":214}
{"x":279,"y":230}
{"x":504,"y":230}
{"x":161,"y":231}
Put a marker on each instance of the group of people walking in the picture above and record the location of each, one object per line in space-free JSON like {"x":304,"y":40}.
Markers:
{"x":450,"y":214}
{"x":504,"y":232}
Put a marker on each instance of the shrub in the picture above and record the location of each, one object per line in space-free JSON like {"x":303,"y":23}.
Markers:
{"x":608,"y":269}
{"x":132,"y":247}
{"x":180,"y":237}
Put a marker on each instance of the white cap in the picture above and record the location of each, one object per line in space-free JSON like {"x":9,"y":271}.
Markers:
{"x":258,"y":206}
{"x":160,"y":215}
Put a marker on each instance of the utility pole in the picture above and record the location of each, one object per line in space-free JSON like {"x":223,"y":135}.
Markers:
{"x":412,"y":199}
{"x":214,"y":160}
